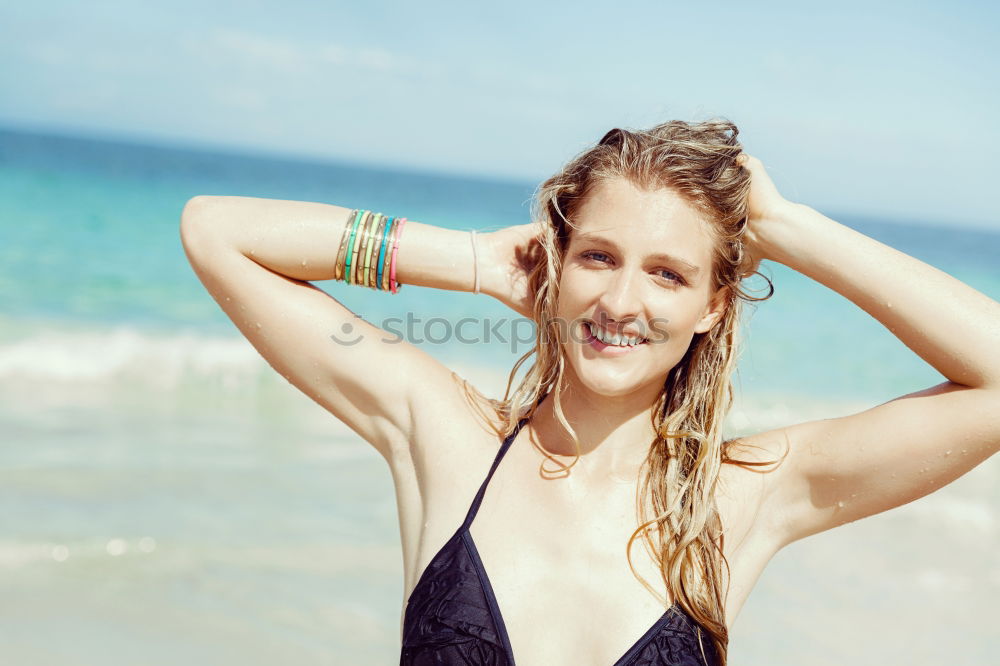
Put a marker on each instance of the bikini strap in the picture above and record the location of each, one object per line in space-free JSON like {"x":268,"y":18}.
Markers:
{"x":474,"y":509}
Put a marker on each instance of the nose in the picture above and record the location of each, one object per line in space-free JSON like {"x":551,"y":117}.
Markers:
{"x":621,"y":301}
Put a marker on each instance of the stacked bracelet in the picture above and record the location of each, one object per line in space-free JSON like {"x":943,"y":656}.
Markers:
{"x":367,"y":252}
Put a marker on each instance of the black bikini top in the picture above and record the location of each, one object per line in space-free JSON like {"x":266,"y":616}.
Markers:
{"x":452,"y":617}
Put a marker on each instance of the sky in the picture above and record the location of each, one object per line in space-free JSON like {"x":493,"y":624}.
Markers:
{"x":886,"y":109}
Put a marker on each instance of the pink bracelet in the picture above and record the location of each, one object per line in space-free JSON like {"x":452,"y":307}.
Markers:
{"x":393,"y":285}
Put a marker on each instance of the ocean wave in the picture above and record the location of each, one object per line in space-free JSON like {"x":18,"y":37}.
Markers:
{"x":121,"y":353}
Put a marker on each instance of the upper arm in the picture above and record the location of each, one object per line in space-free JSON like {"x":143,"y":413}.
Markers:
{"x":363,"y":375}
{"x":842,"y":469}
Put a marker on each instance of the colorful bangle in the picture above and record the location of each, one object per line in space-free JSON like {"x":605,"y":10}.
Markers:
{"x":350,"y":246}
{"x":380,"y":262}
{"x":378,"y":254}
{"x":394,"y":286}
{"x":365,"y":239}
{"x":353,"y":273}
{"x":338,"y":262}
{"x":376,"y":230}
{"x":388,"y":254}
{"x":367,"y":252}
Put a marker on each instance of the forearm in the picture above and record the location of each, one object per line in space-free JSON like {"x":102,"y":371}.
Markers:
{"x":301,"y":239}
{"x":950,"y":325}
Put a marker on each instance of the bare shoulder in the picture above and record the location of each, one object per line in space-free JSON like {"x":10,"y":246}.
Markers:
{"x":453,"y":437}
{"x":454,"y":428}
{"x":452,"y":415}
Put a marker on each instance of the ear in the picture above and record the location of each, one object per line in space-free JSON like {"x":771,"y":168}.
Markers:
{"x":714,"y":311}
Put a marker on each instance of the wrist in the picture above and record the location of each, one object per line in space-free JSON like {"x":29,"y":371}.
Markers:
{"x":776,"y":235}
{"x":486,"y":254}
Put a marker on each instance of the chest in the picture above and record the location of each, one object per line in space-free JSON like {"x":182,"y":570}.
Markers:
{"x":554,"y":558}
{"x":562,"y":582}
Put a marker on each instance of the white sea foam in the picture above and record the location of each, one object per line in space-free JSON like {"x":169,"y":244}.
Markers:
{"x":98,"y":356}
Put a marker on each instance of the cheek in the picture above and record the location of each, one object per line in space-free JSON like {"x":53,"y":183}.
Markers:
{"x":573,"y":298}
{"x":677,"y":320}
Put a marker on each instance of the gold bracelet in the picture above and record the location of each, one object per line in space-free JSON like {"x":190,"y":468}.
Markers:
{"x":367,"y":281}
{"x":376,"y":250}
{"x":363,"y":281}
{"x":338,"y":262}
{"x":362,"y":273}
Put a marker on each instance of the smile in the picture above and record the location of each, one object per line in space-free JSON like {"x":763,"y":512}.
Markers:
{"x":607,"y":344}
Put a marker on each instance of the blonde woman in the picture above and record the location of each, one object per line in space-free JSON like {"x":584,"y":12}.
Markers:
{"x":595,"y":515}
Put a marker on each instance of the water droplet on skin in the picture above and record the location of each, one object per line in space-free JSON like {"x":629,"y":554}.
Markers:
{"x":243,"y":307}
{"x":227,"y":298}
{"x":258,"y":324}
{"x":888,"y":305}
{"x":252,"y":252}
{"x":948,"y":452}
{"x":964,"y":451}
{"x":303,"y":262}
{"x":840,"y":505}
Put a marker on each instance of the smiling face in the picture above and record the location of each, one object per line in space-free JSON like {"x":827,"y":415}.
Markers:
{"x":638,"y":264}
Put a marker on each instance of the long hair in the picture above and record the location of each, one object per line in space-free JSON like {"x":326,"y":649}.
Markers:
{"x":681,"y":471}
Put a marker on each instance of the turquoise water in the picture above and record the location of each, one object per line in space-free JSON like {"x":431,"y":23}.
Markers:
{"x":165,"y":495}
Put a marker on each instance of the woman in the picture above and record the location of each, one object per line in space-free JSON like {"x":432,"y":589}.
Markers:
{"x":632,"y":271}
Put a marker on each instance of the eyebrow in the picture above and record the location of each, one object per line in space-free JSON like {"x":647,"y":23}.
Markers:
{"x":659,"y":256}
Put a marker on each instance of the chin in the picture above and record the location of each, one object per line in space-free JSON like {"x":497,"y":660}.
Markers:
{"x":607,"y":385}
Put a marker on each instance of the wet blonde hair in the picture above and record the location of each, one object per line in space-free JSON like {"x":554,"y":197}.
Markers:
{"x":681,"y":471}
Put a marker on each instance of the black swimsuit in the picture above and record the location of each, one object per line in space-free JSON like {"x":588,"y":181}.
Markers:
{"x":452,"y":618}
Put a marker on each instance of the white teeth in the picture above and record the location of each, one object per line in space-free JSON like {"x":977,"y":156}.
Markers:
{"x":618,"y":340}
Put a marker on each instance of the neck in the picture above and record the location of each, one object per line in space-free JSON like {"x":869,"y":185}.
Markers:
{"x":614,"y":432}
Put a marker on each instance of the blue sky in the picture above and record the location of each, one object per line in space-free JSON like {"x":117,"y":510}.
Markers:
{"x":889,"y":109}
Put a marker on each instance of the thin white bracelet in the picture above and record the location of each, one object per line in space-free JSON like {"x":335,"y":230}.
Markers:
{"x":475,"y":259}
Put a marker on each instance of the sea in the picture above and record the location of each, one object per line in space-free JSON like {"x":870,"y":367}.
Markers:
{"x":166,"y":497}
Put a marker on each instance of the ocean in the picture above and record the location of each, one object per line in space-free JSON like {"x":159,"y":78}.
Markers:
{"x":166,"y":497}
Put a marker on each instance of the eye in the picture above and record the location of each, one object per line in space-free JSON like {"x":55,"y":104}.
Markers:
{"x":663,"y":272}
{"x":591,"y":255}
{"x":674,"y":277}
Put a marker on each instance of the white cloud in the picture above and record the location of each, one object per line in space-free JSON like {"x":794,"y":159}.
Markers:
{"x":258,"y":50}
{"x":284,"y":55}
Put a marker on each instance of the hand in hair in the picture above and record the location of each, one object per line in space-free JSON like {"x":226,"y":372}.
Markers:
{"x":767,"y":208}
{"x":510,"y":256}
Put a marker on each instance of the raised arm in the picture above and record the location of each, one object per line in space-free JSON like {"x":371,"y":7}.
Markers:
{"x":841,"y":469}
{"x":256,"y":258}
